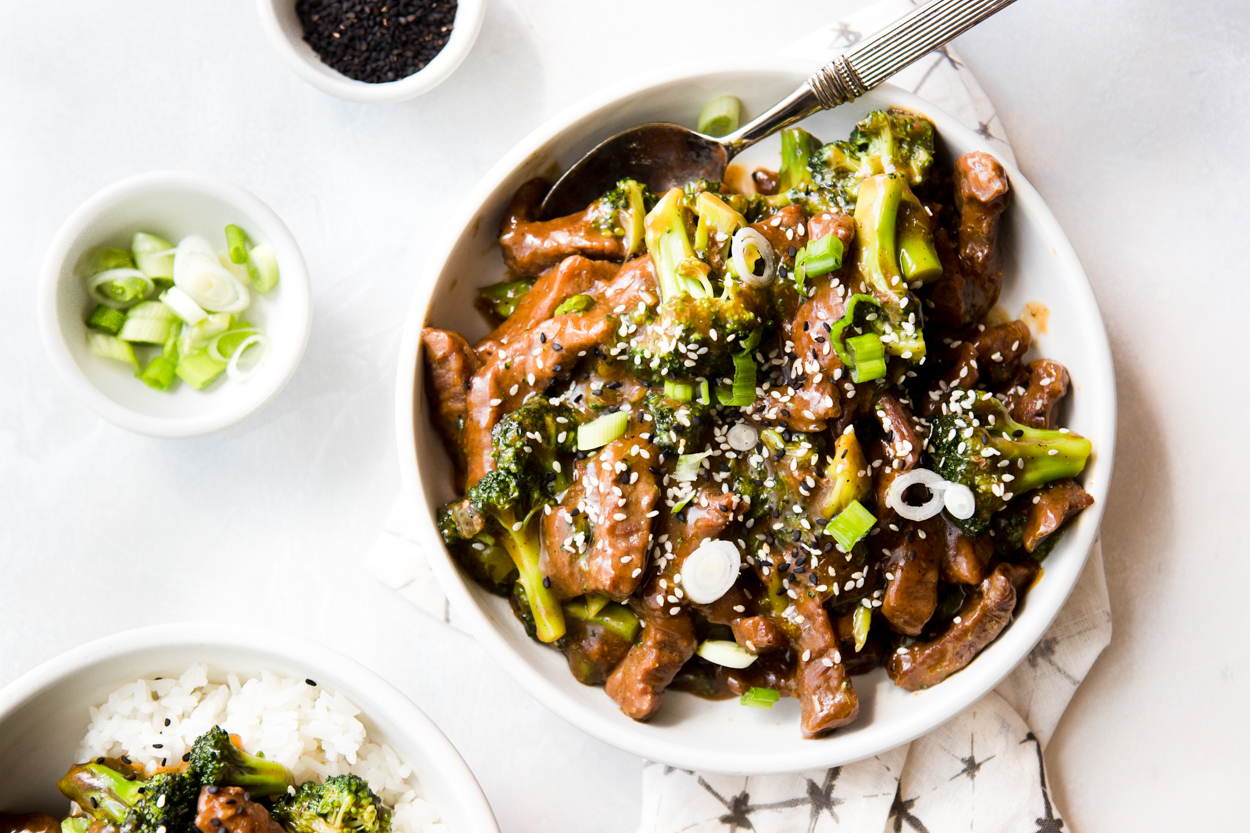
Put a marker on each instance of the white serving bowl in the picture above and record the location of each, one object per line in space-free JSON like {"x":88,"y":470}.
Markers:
{"x":286,"y":34}
{"x":171,"y":204}
{"x":696,"y":734}
{"x":43,"y":714}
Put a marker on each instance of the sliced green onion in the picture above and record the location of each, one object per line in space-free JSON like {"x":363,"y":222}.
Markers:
{"x":199,"y":369}
{"x":255,"y":342}
{"x":725,"y":652}
{"x":154,"y":310}
{"x":106,"y":319}
{"x":819,"y":257}
{"x":720,"y":116}
{"x":599,"y":432}
{"x":867,"y":357}
{"x":154,"y":256}
{"x":102,"y":260}
{"x":744,"y":380}
{"x":688,"y":466}
{"x":195,"y":336}
{"x":860,"y":623}
{"x":111,"y":347}
{"x":753,"y":340}
{"x":577,"y":303}
{"x":160,"y":373}
{"x":705,"y":394}
{"x":119,"y":288}
{"x":773,"y":439}
{"x":222,"y":346}
{"x":144,"y":330}
{"x":760,"y":698}
{"x":851,"y":525}
{"x":180,"y":304}
{"x":679,"y":391}
{"x":199,"y":272}
{"x":170,"y":350}
{"x":262,"y":268}
{"x":237,"y":244}
{"x":680,"y":505}
{"x":502,"y":298}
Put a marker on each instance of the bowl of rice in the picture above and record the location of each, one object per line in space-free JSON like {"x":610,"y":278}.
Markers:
{"x":145,"y":696}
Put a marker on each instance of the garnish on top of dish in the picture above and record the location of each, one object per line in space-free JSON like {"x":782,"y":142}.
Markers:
{"x":156,"y":759}
{"x":182,"y":303}
{"x":756,"y":443}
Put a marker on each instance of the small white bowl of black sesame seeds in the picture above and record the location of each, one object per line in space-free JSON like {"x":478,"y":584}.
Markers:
{"x":372,"y":50}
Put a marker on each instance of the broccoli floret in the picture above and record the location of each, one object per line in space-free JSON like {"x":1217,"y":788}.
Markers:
{"x":533,"y":448}
{"x":876,"y":221}
{"x":113,"y":797}
{"x":215,"y":761}
{"x":976,"y":443}
{"x":679,"y":342}
{"x":343,"y":804}
{"x":884,"y":141}
{"x":675,"y":426}
{"x":621,"y":212}
{"x":499,"y":300}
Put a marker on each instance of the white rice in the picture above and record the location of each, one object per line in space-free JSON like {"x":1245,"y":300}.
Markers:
{"x":311,"y":731}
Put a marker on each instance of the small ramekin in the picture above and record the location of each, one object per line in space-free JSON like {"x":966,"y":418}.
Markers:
{"x":286,"y":34}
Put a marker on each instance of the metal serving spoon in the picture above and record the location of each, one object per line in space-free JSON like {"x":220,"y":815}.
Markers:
{"x":665,"y":156}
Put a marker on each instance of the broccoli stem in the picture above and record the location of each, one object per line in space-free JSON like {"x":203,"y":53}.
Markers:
{"x":101,"y":791}
{"x":1048,"y":455}
{"x":797,"y":148}
{"x":876,"y":219}
{"x":716,"y":217}
{"x":524,"y":547}
{"x":917,"y":257}
{"x":847,"y":475}
{"x":668,"y":241}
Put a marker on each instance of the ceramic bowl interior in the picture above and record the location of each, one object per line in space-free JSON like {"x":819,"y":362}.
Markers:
{"x":691,"y":733}
{"x":43,"y":715}
{"x":171,"y":205}
{"x":286,"y":35}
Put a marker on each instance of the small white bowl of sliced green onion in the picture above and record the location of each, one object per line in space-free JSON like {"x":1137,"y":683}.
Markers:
{"x":175,"y":304}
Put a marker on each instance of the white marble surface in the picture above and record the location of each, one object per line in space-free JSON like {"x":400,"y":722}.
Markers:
{"x":1128,"y":116}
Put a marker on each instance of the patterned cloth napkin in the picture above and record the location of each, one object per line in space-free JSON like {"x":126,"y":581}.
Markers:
{"x":927,"y":786}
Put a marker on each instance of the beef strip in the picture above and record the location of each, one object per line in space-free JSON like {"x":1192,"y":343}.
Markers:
{"x":971,"y":266}
{"x":592,"y":650}
{"x":529,"y":363}
{"x":817,"y":399}
{"x":867,"y":658}
{"x":897,"y":447}
{"x":572,"y":276}
{"x":981,"y":618}
{"x":759,"y":634}
{"x":785,"y":231}
{"x":1052,"y":507}
{"x":826,"y":697}
{"x":950,"y":365}
{"x":449,"y":365}
{"x":704,"y":519}
{"x":231,"y":810}
{"x":616,"y":518}
{"x":531,"y":247}
{"x":766,"y":181}
{"x":964,"y":559}
{"x":911,"y":594}
{"x":1035,"y":406}
{"x":638,"y":683}
{"x":999,"y":350}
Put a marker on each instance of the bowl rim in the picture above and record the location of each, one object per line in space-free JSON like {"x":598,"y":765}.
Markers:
{"x":297,"y":293}
{"x":468,"y":23}
{"x":971,"y":687}
{"x":301,"y":650}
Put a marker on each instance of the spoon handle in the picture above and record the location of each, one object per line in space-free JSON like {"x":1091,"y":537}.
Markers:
{"x":870,"y":62}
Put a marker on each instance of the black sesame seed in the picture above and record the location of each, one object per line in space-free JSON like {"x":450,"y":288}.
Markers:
{"x":99,"y":760}
{"x":373,"y":42}
{"x":186,"y":757}
{"x":158,"y":746}
{"x":311,"y":682}
{"x":547,"y":582}
{"x":167,"y":721}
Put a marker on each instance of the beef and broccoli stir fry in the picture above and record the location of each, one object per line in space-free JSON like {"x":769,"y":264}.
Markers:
{"x":755,"y":444}
{"x":216,"y":788}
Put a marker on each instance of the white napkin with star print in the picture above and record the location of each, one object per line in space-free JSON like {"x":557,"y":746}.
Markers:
{"x":981,"y":771}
